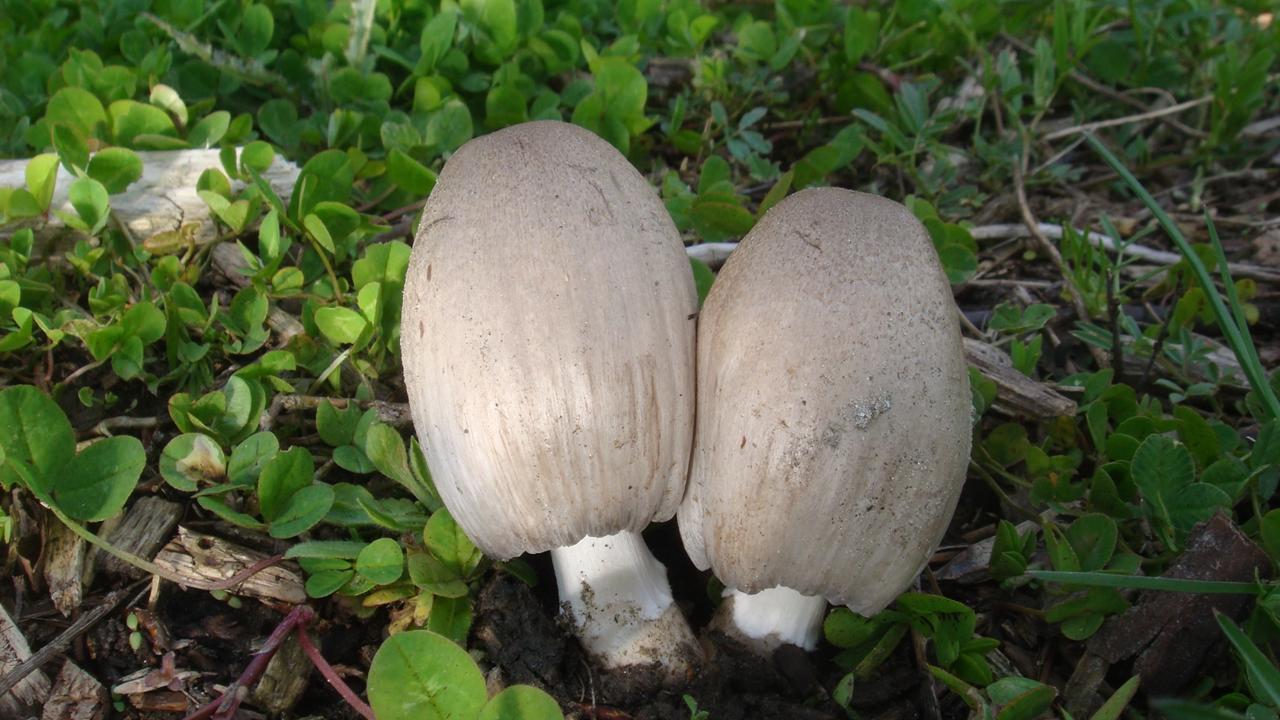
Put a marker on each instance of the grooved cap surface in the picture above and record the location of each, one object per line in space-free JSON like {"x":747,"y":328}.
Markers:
{"x":548,"y":342}
{"x":833,"y":422}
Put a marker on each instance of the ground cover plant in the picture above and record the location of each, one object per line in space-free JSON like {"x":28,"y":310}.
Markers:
{"x":209,"y":471}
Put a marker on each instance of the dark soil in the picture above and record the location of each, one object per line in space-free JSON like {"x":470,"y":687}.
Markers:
{"x":515,"y":626}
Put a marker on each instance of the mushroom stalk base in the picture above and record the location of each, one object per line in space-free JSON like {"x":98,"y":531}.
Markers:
{"x":772,"y":617}
{"x":617,"y":594}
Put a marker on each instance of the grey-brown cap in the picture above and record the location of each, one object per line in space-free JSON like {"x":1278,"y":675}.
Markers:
{"x":833,"y":422}
{"x":547,"y":340}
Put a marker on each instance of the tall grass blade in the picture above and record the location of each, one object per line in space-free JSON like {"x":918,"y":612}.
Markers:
{"x":1247,"y":356}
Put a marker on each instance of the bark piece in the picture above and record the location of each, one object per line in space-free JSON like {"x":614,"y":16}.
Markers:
{"x":1017,"y":395}
{"x":64,"y":567}
{"x":144,"y":530}
{"x":76,"y":695}
{"x":285,"y":680}
{"x":32,"y":690}
{"x":160,"y":701}
{"x":208,"y":559}
{"x":1173,"y":634}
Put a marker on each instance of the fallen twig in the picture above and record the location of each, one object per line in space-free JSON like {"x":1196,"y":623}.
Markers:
{"x":65,"y":638}
{"x":1127,"y":119}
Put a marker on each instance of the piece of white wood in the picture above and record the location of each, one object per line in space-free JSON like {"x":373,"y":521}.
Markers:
{"x":164,"y":199}
{"x":31,"y":691}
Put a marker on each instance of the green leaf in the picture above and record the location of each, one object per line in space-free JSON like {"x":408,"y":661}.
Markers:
{"x":302,"y":510}
{"x":437,"y":38}
{"x":433,"y":576}
{"x":342,"y":549}
{"x":445,"y":539}
{"x":316,"y":228}
{"x":847,"y":629}
{"x":278,"y":118}
{"x":1093,"y":537}
{"x":1030,"y":703}
{"x":451,"y":617}
{"x":248,"y":458}
{"x":231,"y":515}
{"x":71,"y":147}
{"x":381,"y":561}
{"x":116,"y":168}
{"x":420,"y":674}
{"x":167,"y":99}
{"x":130,"y":119}
{"x":91,"y":201}
{"x":100,"y":479}
{"x":327,"y":582}
{"x":36,"y":433}
{"x":190,"y":460}
{"x":409,"y":174}
{"x":522,"y":702}
{"x":385,"y":449}
{"x":861,"y":33}
{"x":449,"y":127}
{"x":79,"y":110}
{"x":1264,"y":676}
{"x":210,"y":130}
{"x":281,"y":477}
{"x":1119,"y":700}
{"x":257,"y":156}
{"x":42,"y":175}
{"x":327,"y":176}
{"x":342,"y":326}
{"x":257,"y":25}
{"x":703,"y":277}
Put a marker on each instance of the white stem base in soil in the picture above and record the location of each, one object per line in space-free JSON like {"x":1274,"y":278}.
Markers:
{"x":618,"y":596}
{"x":772,"y":617}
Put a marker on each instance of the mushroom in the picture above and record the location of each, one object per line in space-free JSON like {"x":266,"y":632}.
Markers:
{"x":833,"y":420}
{"x":547,"y":338}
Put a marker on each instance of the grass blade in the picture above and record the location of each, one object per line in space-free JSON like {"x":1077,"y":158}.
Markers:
{"x":1253,"y":370}
{"x":1187,"y":710}
{"x":1264,"y":677}
{"x":1118,"y":701}
{"x":1141,"y":582}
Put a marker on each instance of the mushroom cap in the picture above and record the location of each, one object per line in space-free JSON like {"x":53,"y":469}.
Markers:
{"x":833,"y":421}
{"x":547,"y":341}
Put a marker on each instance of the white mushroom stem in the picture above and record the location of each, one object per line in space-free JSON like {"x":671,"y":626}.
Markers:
{"x":618,"y":596}
{"x":774,"y":617}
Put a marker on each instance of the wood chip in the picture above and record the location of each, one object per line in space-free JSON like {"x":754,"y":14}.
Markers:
{"x":285,"y":680}
{"x":164,"y":701}
{"x":1017,"y":395}
{"x":208,"y":559}
{"x":146,"y":527}
{"x":64,"y":567}
{"x":76,"y":695}
{"x":31,"y":692}
{"x":1174,"y":634}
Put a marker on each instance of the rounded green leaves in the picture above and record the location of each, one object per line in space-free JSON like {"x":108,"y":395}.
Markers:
{"x":419,"y":675}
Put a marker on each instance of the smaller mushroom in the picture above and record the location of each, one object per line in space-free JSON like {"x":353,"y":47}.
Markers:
{"x":833,"y":421}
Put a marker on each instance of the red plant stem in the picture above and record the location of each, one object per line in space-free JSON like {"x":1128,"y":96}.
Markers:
{"x":224,"y":708}
{"x":331,"y":676}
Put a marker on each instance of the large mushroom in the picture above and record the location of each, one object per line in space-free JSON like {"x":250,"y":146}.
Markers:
{"x":547,"y":338}
{"x":833,"y":421}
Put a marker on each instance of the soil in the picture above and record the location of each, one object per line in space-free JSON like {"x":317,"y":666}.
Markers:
{"x":515,"y":627}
